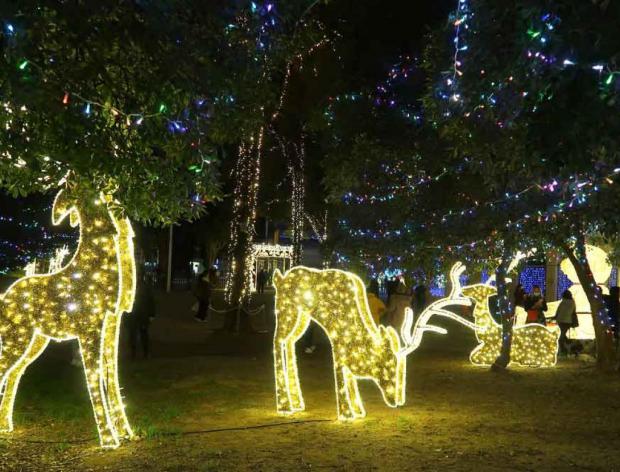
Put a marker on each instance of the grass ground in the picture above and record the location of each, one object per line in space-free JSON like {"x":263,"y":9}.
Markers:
{"x":205,"y":401}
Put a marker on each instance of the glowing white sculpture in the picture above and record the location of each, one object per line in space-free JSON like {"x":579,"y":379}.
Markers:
{"x":601,"y":270}
{"x":57,"y":259}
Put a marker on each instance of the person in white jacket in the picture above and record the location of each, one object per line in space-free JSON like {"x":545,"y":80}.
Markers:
{"x":395,"y":312}
{"x":565,"y":316}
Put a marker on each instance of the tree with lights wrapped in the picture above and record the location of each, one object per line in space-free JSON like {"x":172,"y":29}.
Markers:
{"x":533,"y":96}
{"x":109,"y":98}
{"x":271,"y":43}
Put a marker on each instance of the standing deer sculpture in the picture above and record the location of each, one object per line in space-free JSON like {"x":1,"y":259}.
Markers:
{"x":336,"y":301}
{"x":83,"y":300}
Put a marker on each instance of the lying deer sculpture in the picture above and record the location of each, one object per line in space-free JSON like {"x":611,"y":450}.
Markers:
{"x":533,"y":345}
{"x":83,"y":300}
{"x":336,"y":300}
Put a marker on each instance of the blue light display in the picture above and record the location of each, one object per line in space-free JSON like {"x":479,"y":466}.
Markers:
{"x":533,"y":275}
{"x":564,"y":283}
{"x":438,"y":287}
{"x":613,"y":278}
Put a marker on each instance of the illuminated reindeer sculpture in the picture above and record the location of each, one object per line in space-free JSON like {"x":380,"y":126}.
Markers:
{"x":336,"y":300}
{"x":533,"y":345}
{"x":83,"y":300}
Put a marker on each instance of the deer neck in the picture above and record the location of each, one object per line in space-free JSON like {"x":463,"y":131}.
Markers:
{"x":482,"y":314}
{"x":97,"y":241}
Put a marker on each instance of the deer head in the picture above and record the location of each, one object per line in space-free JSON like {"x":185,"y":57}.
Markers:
{"x":65,"y":204}
{"x":393,"y":365}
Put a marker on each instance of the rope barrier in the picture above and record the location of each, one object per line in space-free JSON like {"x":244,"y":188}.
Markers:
{"x":235,"y":308}
{"x":178,"y":433}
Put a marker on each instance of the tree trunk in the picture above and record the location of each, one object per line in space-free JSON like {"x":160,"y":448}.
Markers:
{"x":247,"y":173}
{"x":297,"y":201}
{"x":605,"y":352}
{"x":505,"y":311}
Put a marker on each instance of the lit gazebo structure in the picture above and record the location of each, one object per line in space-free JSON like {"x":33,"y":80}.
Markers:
{"x":270,"y":257}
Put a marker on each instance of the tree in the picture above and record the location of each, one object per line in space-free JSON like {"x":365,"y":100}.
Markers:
{"x":268,"y":63}
{"x":532,"y":94}
{"x":116,"y":93}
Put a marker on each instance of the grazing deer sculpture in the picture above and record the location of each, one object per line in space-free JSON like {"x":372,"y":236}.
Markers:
{"x":83,"y":300}
{"x":336,"y":300}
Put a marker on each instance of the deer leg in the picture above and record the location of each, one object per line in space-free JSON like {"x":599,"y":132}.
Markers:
{"x":92,"y":358}
{"x":480,"y":355}
{"x":12,"y":377}
{"x":110,"y":374}
{"x":294,"y":389}
{"x":343,"y":401}
{"x":354,"y":394}
{"x":282,"y":389}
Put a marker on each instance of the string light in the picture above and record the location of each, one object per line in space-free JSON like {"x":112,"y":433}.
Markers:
{"x":270,"y":251}
{"x":383,"y":94}
{"x":83,"y":300}
{"x":174,"y":125}
{"x":296,"y":169}
{"x":574,"y":192}
{"x":245,"y":199}
{"x":336,"y":300}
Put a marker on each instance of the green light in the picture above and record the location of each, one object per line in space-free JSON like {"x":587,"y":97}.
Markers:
{"x":533,"y":34}
{"x":23,"y":65}
{"x":162,"y":108}
{"x":610,"y":78}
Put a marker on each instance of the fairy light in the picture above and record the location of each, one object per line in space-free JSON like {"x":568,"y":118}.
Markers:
{"x":336,"y":300}
{"x":296,"y":169}
{"x":245,"y":199}
{"x":574,"y":192}
{"x":270,"y":251}
{"x":295,"y":63}
{"x":83,"y":300}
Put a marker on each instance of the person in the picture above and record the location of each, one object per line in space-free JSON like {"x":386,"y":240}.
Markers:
{"x":202,"y":291}
{"x":397,"y":303}
{"x":140,"y":318}
{"x":519,"y":296}
{"x":391,"y":285}
{"x":566,"y":315}
{"x":376,"y":305}
{"x":536,"y":306}
{"x":308,"y":339}
{"x":419,"y":299}
{"x":261,"y":280}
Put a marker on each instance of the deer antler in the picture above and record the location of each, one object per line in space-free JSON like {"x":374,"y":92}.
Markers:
{"x":513,"y":264}
{"x":413,"y":337}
